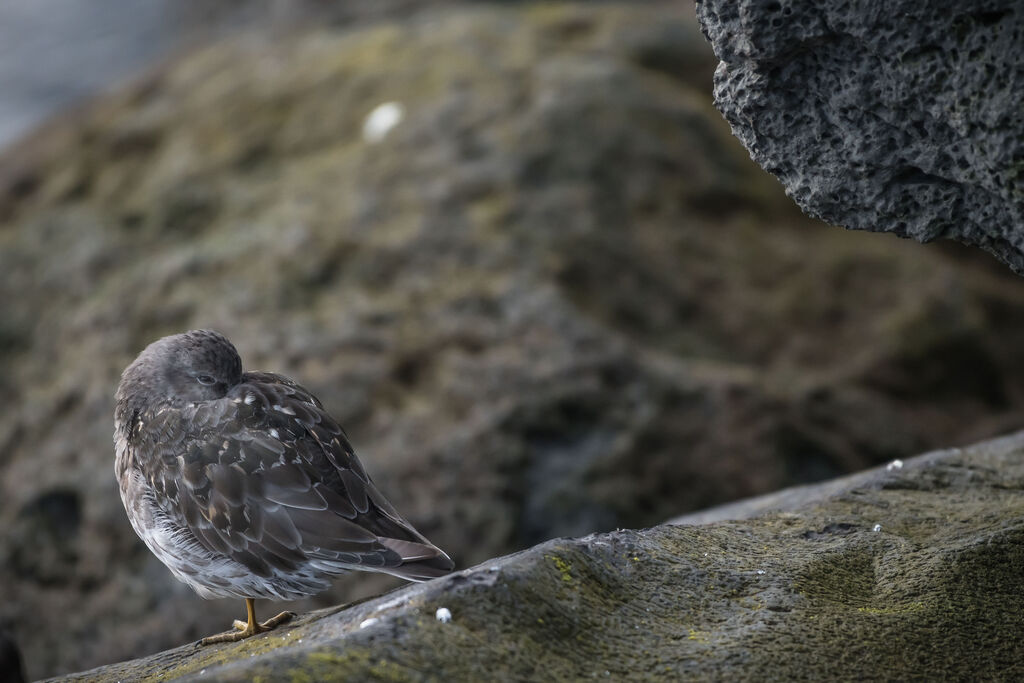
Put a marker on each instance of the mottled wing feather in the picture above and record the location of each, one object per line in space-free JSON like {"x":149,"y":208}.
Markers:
{"x":268,"y":478}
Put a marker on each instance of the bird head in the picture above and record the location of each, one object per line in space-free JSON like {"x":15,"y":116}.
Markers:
{"x":200,"y":365}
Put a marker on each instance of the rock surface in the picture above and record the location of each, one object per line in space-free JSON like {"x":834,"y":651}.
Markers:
{"x":556,"y":298}
{"x":908,"y":573}
{"x":902,"y":117}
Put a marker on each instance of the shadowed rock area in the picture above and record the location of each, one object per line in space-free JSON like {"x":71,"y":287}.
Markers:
{"x":811,"y":592}
{"x":901,"y":117}
{"x":556,"y":298}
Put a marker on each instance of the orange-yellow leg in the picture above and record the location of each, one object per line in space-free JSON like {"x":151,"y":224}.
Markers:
{"x":245,"y":630}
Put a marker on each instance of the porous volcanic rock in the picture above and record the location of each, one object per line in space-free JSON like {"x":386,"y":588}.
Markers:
{"x":555,"y":298}
{"x":901,"y":573}
{"x":901,"y":116}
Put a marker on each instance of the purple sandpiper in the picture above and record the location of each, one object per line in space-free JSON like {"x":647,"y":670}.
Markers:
{"x":244,"y":486}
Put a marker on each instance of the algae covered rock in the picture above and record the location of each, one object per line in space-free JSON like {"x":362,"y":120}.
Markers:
{"x":906,"y":572}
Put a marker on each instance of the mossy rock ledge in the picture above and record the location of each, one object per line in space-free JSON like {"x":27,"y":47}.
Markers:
{"x":905,"y":572}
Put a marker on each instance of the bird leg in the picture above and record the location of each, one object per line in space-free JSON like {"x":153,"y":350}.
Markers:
{"x":245,"y":630}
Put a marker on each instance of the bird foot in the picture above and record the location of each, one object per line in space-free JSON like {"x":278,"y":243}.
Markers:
{"x":246,"y":630}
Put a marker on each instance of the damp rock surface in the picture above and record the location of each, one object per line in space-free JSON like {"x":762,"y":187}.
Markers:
{"x":805,"y":589}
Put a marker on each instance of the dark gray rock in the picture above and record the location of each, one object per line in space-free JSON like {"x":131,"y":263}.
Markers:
{"x":902,"y":116}
{"x":900,"y":573}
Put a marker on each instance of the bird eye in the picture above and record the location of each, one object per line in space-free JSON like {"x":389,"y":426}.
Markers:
{"x":206,"y":380}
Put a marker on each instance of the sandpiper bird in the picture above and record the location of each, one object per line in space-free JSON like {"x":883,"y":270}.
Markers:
{"x":244,"y":486}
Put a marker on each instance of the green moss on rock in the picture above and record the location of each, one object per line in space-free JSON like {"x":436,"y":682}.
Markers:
{"x":808,"y":592}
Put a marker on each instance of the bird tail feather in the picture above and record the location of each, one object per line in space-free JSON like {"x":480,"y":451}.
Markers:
{"x":420,"y":561}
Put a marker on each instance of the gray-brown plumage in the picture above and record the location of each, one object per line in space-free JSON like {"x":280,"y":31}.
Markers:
{"x":244,"y":486}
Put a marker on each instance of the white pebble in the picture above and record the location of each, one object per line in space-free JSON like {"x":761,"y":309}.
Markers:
{"x":382,"y":120}
{"x":894,"y":465}
{"x":760,"y":571}
{"x":443,"y":614}
{"x":368,"y":622}
{"x":877,"y":527}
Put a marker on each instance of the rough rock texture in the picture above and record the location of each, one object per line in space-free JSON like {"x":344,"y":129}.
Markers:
{"x":557,"y":298}
{"x":816,"y":592}
{"x":901,"y":116}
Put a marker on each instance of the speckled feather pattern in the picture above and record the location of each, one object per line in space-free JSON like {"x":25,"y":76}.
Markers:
{"x":247,"y":487}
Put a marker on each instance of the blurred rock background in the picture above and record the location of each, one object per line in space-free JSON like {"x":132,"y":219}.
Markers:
{"x":554,"y":296}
